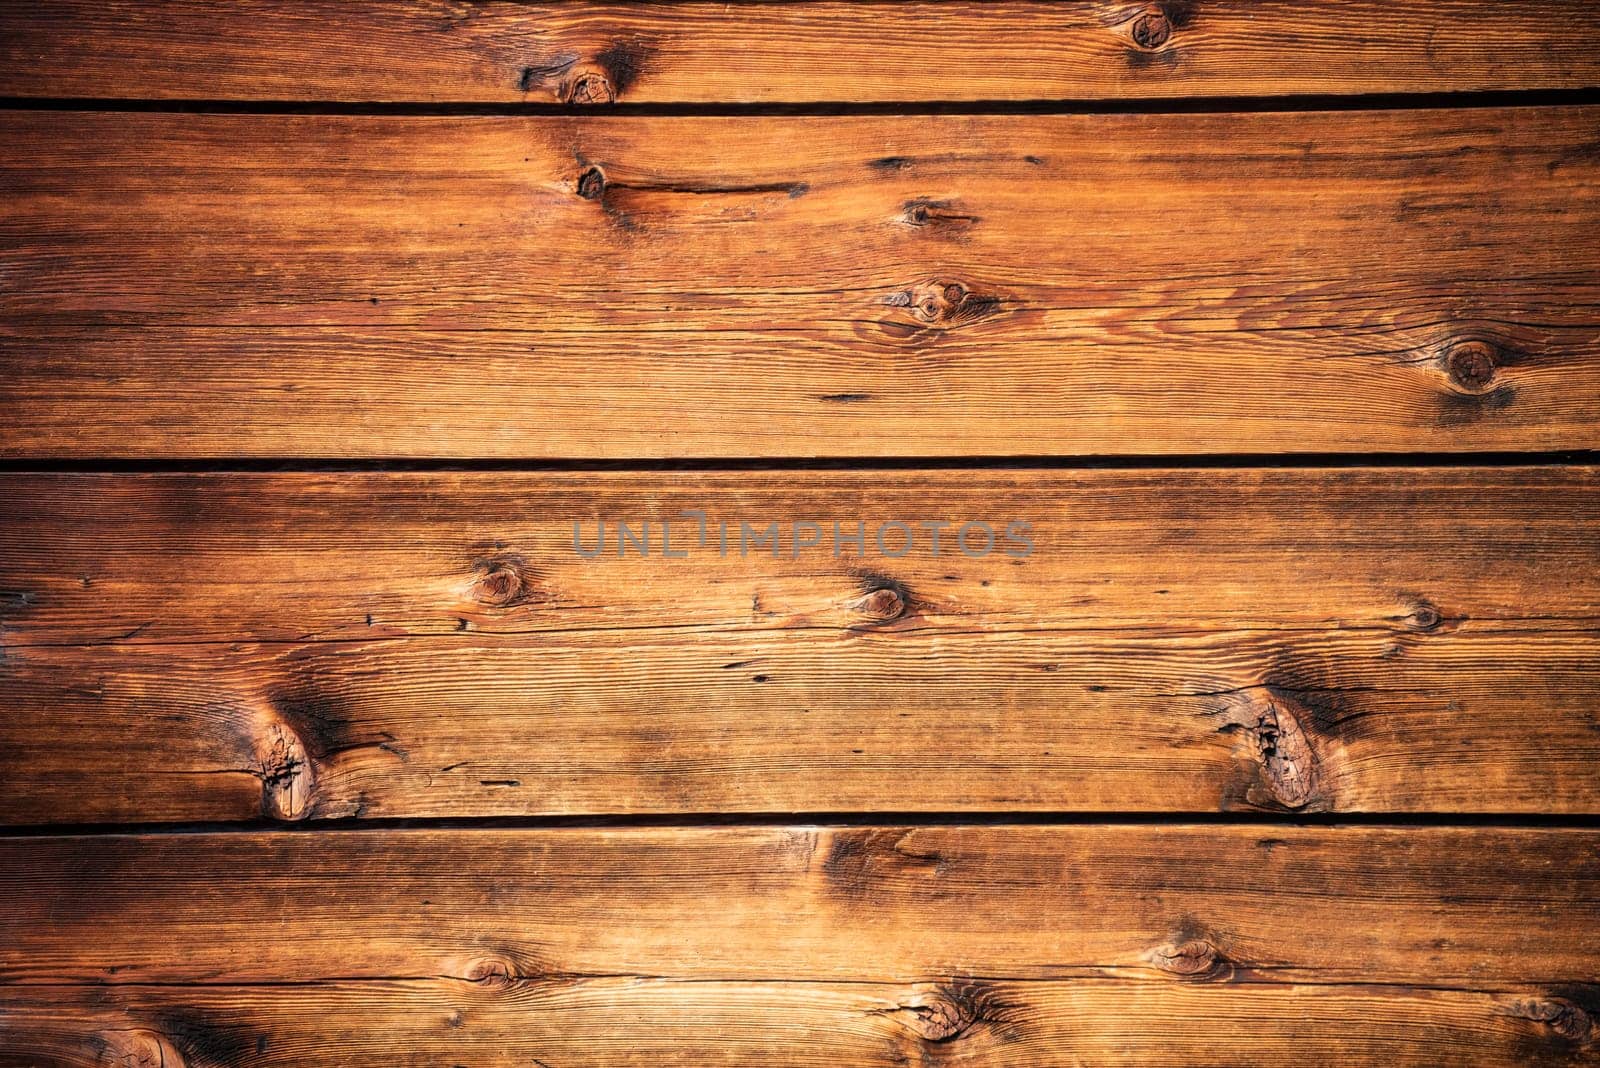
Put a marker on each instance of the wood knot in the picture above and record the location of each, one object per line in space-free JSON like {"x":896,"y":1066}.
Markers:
{"x":502,"y":581}
{"x":1193,"y":959}
{"x":600,"y":80}
{"x":589,"y":85}
{"x":882,"y":600}
{"x":135,"y":1048}
{"x":943,"y":303}
{"x":1288,"y":764}
{"x":882,"y":604}
{"x":592,"y":183}
{"x":1423,"y":616}
{"x":1471,"y":365}
{"x":287,"y":778}
{"x":943,"y":217}
{"x":1151,"y":30}
{"x":499,"y":586}
{"x":1559,"y":1016}
{"x":946,"y":1012}
{"x":492,"y":972}
{"x":938,"y":1017}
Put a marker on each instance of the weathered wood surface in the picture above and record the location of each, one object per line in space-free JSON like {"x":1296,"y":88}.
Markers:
{"x":597,"y":53}
{"x":430,"y":644}
{"x":870,"y":945}
{"x":568,"y":287}
{"x":558,"y":283}
{"x":577,"y":1021}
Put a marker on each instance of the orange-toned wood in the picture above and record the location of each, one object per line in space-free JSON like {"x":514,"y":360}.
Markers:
{"x":859,"y":946}
{"x":322,"y":286}
{"x":1162,"y":252}
{"x":597,"y":53}
{"x":181,"y":647}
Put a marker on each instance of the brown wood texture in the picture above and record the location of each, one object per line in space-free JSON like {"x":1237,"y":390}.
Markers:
{"x":325,"y":286}
{"x":598,"y":53}
{"x":308,"y":762}
{"x":862,"y":945}
{"x":181,"y":647}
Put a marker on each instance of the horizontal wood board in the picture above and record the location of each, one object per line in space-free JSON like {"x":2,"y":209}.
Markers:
{"x":595,"y":54}
{"x":307,"y":645}
{"x":865,"y":945}
{"x":189,"y":286}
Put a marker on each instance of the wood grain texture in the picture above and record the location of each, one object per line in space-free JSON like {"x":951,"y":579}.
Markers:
{"x":534,"y":276}
{"x":597,"y":53}
{"x":870,"y":945}
{"x":607,"y":1021}
{"x":323,"y":286}
{"x":387,"y":644}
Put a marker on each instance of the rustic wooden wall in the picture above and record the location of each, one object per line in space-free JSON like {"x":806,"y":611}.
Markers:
{"x":322,"y":324}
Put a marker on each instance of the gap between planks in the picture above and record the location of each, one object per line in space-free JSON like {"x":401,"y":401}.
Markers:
{"x":1199,"y":105}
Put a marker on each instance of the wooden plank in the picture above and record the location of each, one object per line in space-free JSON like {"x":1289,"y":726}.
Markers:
{"x":869,"y":945}
{"x":609,"y":1021}
{"x":563,"y":287}
{"x":597,"y":53}
{"x":193,"y":647}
